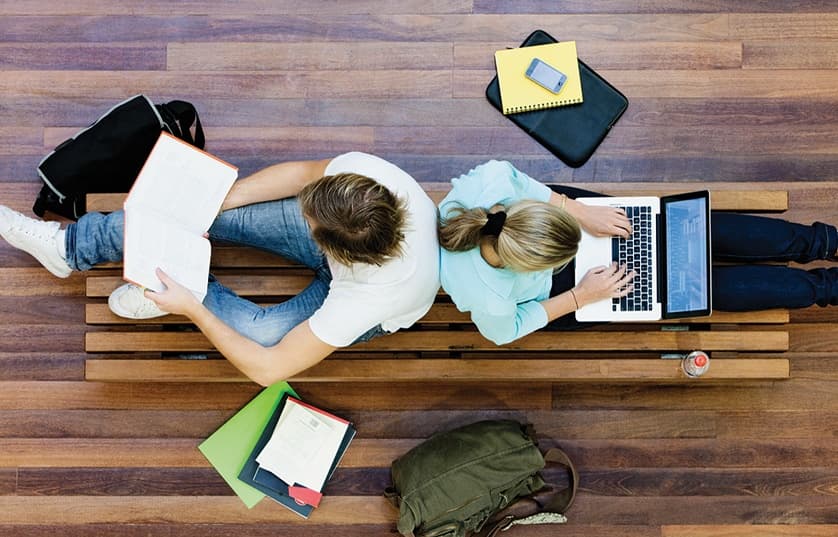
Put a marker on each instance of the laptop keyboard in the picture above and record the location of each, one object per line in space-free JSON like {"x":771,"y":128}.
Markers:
{"x":636,"y":253}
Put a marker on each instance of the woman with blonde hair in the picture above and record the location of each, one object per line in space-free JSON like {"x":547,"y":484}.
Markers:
{"x":507,"y":243}
{"x":503,"y":235}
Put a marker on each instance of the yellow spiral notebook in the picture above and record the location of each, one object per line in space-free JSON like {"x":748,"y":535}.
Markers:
{"x":520,"y":94}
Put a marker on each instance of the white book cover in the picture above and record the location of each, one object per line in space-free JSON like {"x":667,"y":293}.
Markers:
{"x":172,"y":204}
{"x":303,"y":445}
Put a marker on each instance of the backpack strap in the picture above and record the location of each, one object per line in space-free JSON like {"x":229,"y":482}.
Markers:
{"x":552,"y":511}
{"x":184,"y":116}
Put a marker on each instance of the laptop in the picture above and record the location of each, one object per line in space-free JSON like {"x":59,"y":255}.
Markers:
{"x":669,"y":250}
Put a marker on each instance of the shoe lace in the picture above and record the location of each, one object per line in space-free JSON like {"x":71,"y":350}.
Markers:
{"x":36,"y":229}
{"x":141,"y":304}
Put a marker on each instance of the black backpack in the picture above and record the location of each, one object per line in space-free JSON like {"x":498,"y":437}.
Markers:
{"x":107,"y":156}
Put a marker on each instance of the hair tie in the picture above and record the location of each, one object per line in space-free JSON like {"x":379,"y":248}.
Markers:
{"x":494,"y":224}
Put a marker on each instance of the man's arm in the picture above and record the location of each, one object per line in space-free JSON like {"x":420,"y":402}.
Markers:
{"x":275,"y":182}
{"x":296,"y":352}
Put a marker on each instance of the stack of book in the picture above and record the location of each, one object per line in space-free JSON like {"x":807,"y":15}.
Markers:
{"x":280,"y":447}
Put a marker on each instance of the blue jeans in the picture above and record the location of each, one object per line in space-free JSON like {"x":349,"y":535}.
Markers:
{"x":740,"y":238}
{"x":275,"y":226}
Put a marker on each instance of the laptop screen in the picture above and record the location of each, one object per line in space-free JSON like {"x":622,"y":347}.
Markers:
{"x":687,"y":245}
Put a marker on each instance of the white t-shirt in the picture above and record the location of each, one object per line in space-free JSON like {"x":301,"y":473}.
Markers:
{"x":399,"y":292}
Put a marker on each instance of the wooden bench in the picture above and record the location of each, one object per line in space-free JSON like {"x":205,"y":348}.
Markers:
{"x":444,"y":345}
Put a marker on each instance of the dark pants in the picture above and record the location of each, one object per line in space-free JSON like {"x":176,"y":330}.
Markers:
{"x":740,"y":238}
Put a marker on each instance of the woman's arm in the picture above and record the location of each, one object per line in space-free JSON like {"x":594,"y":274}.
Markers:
{"x":275,"y":182}
{"x":598,"y":221}
{"x":598,"y":284}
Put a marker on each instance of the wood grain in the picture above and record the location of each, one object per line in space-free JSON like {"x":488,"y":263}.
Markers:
{"x":726,"y":95}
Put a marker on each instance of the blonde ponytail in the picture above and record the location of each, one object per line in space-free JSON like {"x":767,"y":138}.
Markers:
{"x":534,"y":236}
{"x":461,"y":231}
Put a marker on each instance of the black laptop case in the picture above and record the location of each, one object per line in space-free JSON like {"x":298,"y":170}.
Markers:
{"x":570,"y":132}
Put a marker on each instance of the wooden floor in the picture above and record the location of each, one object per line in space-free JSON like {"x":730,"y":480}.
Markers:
{"x":720,"y":90}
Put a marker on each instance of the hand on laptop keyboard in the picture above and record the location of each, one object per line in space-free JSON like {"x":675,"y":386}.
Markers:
{"x":601,"y":221}
{"x":600,"y":283}
{"x":635,"y":253}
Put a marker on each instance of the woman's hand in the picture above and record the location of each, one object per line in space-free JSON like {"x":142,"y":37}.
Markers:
{"x":603,"y":221}
{"x":604,"y":282}
{"x":175,"y":298}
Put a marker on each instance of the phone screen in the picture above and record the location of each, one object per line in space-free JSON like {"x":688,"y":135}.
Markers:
{"x":546,"y":75}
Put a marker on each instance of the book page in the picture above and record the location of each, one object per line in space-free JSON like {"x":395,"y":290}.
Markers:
{"x":152,"y":240}
{"x":303,"y":446}
{"x":183,"y":182}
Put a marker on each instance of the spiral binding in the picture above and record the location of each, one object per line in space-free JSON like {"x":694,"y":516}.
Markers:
{"x":540,"y":106}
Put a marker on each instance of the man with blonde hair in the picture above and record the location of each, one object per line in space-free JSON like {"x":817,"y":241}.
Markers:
{"x":364,"y":226}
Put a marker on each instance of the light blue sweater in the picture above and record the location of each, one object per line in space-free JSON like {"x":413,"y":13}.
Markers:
{"x":504,"y":304}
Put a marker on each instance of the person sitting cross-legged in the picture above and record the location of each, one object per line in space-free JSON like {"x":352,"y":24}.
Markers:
{"x":364,"y":226}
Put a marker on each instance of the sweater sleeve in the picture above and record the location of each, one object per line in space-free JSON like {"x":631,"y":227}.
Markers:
{"x":500,"y":329}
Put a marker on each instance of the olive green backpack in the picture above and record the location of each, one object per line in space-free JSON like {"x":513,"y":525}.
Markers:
{"x":455,"y":482}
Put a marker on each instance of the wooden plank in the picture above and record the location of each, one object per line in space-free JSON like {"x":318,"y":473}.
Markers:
{"x":307,"y":56}
{"x":252,"y":284}
{"x":102,"y":482}
{"x":262,"y":7}
{"x":41,"y":366}
{"x":249,"y":26}
{"x":684,"y":84}
{"x":751,"y":530}
{"x":298,"y":84}
{"x":33,"y":281}
{"x":8,"y":481}
{"x":773,"y":54}
{"x":652,"y":6}
{"x":623,"y":55}
{"x":459,"y":370}
{"x":78,"y":510}
{"x":272,"y":140}
{"x":83,"y":56}
{"x":473,"y":341}
{"x":439,"y":314}
{"x":273,"y":529}
{"x":784,"y":26}
{"x":678,"y":453}
{"x":806,"y":390}
{"x":229,"y":397}
{"x":109,"y":423}
{"x":624,"y":141}
{"x":747,"y":197}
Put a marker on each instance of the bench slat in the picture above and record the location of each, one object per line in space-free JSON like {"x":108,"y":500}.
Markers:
{"x":724,"y":200}
{"x":459,"y":370}
{"x":468,"y":341}
{"x":100,"y":314}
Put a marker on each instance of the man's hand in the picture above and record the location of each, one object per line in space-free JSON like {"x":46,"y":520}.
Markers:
{"x":175,"y":298}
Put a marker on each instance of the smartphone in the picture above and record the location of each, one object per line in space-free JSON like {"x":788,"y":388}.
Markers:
{"x":546,"y":76}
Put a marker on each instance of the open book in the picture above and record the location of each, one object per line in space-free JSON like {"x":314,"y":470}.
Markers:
{"x":173,"y":202}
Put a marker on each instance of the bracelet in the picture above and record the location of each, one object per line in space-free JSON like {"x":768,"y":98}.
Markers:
{"x":574,"y":299}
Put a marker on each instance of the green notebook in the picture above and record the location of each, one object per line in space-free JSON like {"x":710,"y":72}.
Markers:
{"x":228,"y":448}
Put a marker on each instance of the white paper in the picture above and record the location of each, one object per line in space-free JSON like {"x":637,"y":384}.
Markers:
{"x":172,"y":204}
{"x":303,"y":446}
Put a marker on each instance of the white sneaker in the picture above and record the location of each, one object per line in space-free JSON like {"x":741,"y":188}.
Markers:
{"x":129,"y":301}
{"x":35,"y":237}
